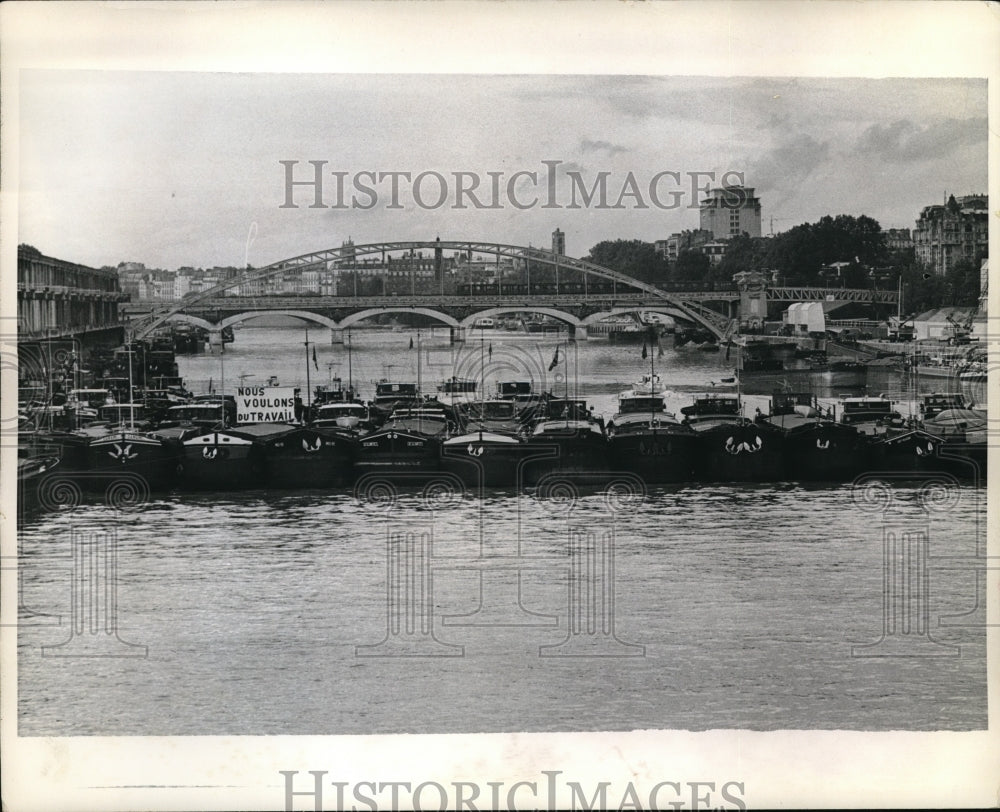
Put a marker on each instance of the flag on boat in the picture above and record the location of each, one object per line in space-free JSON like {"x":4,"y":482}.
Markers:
{"x":659,"y":349}
{"x":491,"y":350}
{"x":555,"y":359}
{"x":315,"y":362}
{"x":645,"y":353}
{"x":411,"y":342}
{"x":727,"y":380}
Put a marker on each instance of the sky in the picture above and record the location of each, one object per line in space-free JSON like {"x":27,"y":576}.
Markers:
{"x":173,"y":169}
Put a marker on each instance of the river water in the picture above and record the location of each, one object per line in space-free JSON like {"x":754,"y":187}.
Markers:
{"x":723,"y":606}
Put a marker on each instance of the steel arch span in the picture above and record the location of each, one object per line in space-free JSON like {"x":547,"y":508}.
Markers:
{"x":197,"y":321}
{"x":327,"y":258}
{"x":305,"y":315}
{"x":558,"y":315}
{"x":628,"y":310}
{"x":354,"y":318}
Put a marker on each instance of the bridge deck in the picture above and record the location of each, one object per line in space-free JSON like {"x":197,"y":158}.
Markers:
{"x":502,"y":299}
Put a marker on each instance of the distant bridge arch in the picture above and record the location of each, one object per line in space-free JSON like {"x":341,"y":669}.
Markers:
{"x":345,"y":258}
{"x":354,"y":318}
{"x":305,"y":315}
{"x":628,"y":310}
{"x":195,"y":320}
{"x":552,"y":312}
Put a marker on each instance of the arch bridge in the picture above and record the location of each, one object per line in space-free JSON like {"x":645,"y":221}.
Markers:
{"x":515,"y":279}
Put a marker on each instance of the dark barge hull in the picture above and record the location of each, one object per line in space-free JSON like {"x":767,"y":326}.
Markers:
{"x":310,"y":458}
{"x":485,"y":464}
{"x":575,"y":453}
{"x":922,"y":452}
{"x":656,"y":457}
{"x":31,"y":474}
{"x":827,"y":452}
{"x":131,"y":455}
{"x":738,"y":453}
{"x":395,"y":452}
{"x":221,"y":462}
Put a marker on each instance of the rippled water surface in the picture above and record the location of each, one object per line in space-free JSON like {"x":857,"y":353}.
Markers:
{"x":710,"y":606}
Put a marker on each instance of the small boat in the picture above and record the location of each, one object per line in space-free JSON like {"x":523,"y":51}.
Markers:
{"x":521,"y":394}
{"x":869,"y":415}
{"x":84,"y":404}
{"x":933,"y":404}
{"x":203,"y":413}
{"x":354,"y":417}
{"x":456,"y":390}
{"x":484,"y":324}
{"x":158,"y":401}
{"x":391,"y":396}
{"x":634,"y":334}
{"x":964,"y":434}
{"x":645,"y":439}
{"x":730,"y":448}
{"x":517,"y":391}
{"x":133,"y":415}
{"x":333,"y":392}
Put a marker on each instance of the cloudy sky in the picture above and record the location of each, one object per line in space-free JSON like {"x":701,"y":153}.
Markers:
{"x":175,"y":168}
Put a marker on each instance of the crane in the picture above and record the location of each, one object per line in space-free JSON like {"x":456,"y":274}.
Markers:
{"x":959,"y":330}
{"x":780,"y":220}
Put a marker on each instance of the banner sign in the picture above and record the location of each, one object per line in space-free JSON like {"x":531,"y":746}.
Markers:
{"x":265,"y":404}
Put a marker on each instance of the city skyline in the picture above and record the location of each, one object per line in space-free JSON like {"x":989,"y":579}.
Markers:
{"x":184,"y":169}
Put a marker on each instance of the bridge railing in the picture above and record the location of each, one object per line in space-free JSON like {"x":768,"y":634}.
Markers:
{"x":802,"y":292}
{"x":306,"y":302}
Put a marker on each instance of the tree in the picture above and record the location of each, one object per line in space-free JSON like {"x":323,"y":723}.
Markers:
{"x":962,"y":283}
{"x":692,"y":265}
{"x":922,"y":289}
{"x":636,"y":258}
{"x":743,"y":253}
{"x":800,"y":252}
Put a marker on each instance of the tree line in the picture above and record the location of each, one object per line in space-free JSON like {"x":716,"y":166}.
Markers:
{"x":799,"y":257}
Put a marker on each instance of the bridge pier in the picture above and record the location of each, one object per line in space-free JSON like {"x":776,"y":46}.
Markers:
{"x":457,"y":335}
{"x":579,"y":332}
{"x":215,"y":340}
{"x":336,"y":336}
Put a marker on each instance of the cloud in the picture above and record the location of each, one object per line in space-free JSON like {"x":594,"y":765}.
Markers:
{"x":789,"y":163}
{"x":602,"y":146}
{"x":905,"y":141}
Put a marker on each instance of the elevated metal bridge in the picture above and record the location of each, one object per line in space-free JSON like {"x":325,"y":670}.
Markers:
{"x":582,"y":293}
